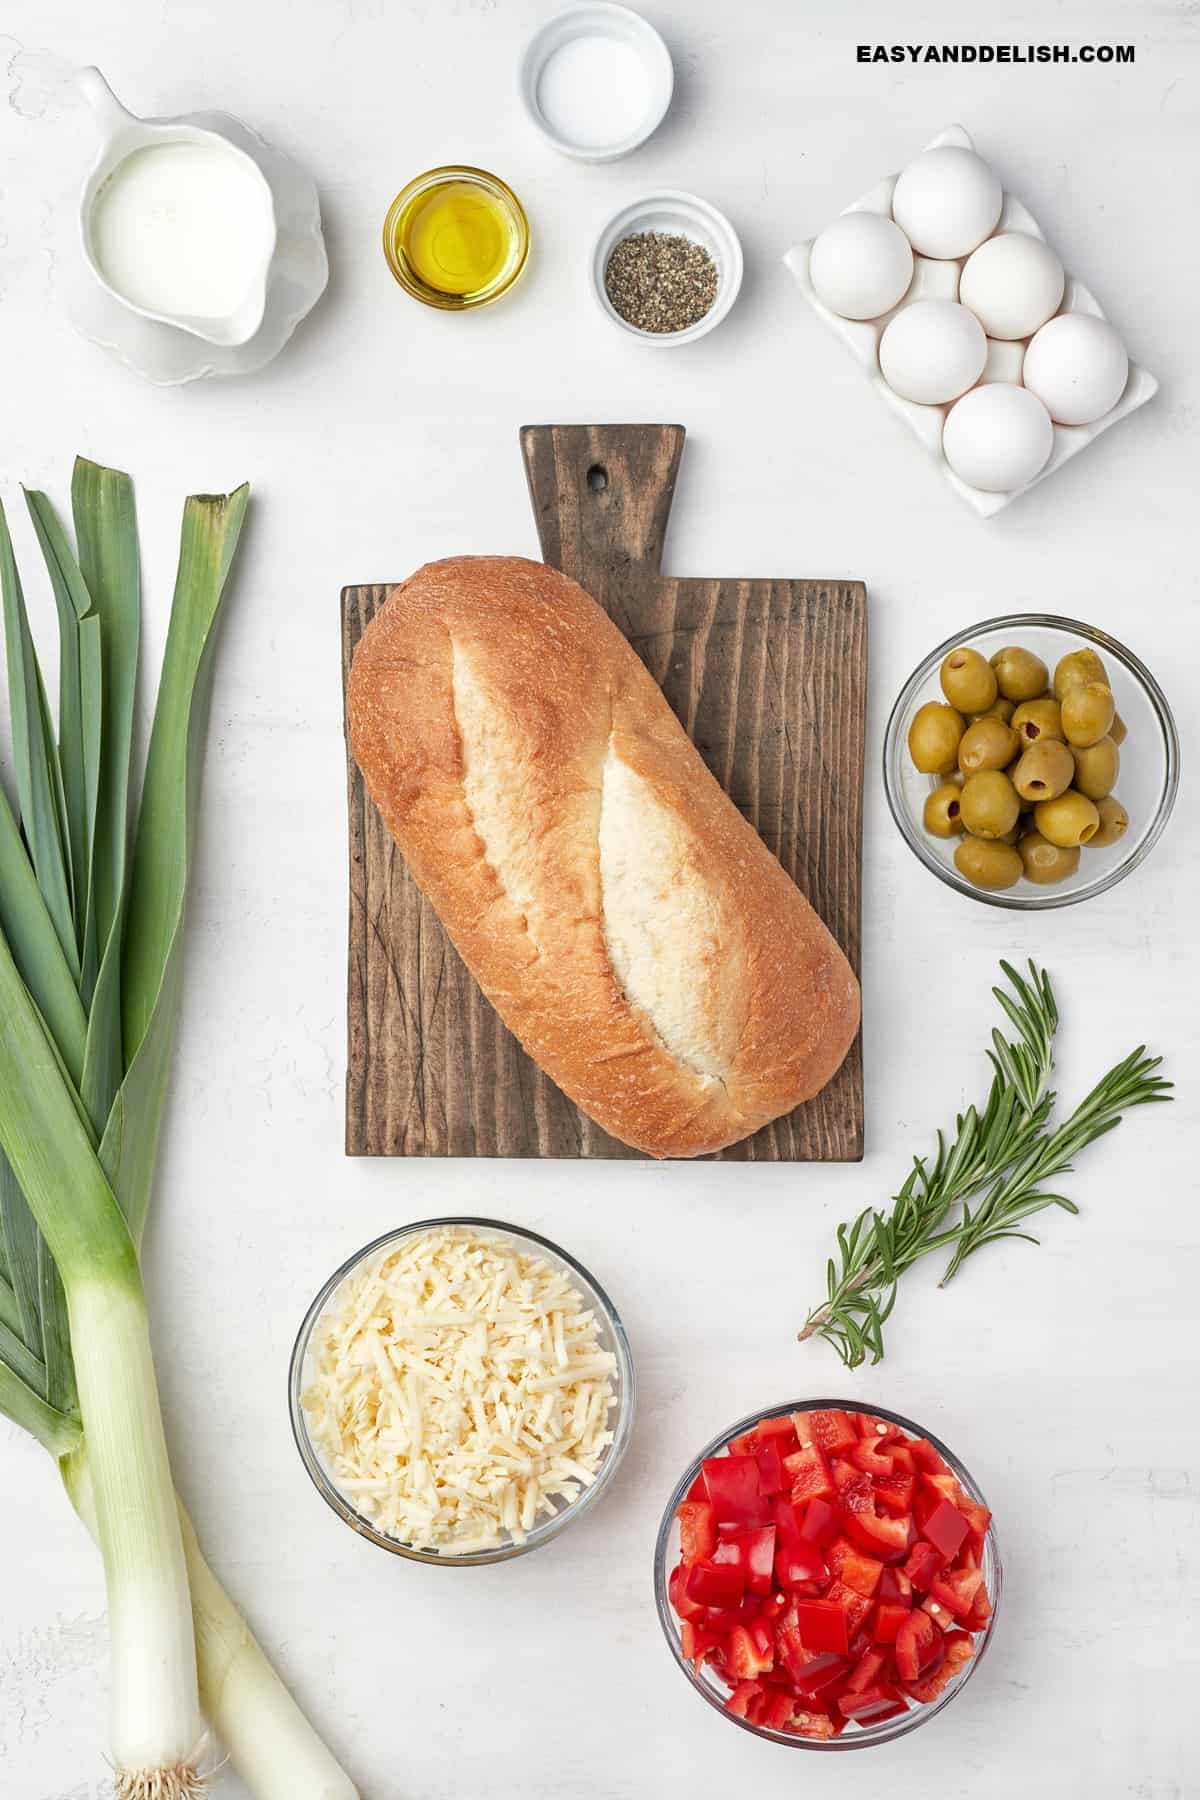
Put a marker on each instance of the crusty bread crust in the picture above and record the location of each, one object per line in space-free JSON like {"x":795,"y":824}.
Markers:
{"x":566,"y":687}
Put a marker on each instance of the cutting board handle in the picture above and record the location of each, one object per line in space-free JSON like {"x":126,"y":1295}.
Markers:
{"x":602,"y":496}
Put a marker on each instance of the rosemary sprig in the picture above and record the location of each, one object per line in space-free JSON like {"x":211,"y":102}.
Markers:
{"x":1006,"y":1153}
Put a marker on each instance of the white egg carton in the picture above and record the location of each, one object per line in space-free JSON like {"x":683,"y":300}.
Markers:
{"x":933,"y":280}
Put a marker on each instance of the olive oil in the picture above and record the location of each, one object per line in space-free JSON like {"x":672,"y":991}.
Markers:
{"x":456,"y":238}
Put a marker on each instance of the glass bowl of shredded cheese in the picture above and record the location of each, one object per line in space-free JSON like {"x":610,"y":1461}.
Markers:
{"x":461,"y":1390}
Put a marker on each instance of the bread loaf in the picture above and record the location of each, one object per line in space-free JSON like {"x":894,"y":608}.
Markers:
{"x":627,"y":923}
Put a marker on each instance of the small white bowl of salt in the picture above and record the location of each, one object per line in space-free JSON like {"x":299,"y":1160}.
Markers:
{"x":596,"y":80}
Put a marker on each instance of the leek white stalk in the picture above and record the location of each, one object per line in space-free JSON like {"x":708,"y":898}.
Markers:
{"x":156,"y":1731}
{"x":269,"y":1741}
{"x":156,"y":1728}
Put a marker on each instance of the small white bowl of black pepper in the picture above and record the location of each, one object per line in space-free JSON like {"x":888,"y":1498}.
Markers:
{"x":668,"y":268}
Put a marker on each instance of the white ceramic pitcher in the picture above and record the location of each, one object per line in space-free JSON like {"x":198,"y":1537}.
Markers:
{"x":122,"y":134}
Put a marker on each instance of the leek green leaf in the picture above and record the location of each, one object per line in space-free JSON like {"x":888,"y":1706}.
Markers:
{"x":20,"y":1237}
{"x":39,"y":778}
{"x":56,"y":1334}
{"x":59,"y":1434}
{"x":211,"y":527}
{"x":106,"y":534}
{"x":36,"y":947}
{"x":74,"y":604}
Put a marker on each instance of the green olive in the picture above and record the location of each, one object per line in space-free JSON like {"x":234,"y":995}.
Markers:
{"x":943,"y":811}
{"x":1037,"y":719}
{"x":1118,"y":731}
{"x":1045,"y":862}
{"x":933,"y":738}
{"x":1076,"y":670}
{"x":1113,"y":823}
{"x":1096,"y":768}
{"x":968,"y":682}
{"x":1020,"y":674}
{"x":990,"y":806}
{"x":987,"y":744}
{"x":999,"y":709}
{"x":988,"y":865}
{"x":1068,"y":820}
{"x":1046,"y":770}
{"x":1087,"y":713}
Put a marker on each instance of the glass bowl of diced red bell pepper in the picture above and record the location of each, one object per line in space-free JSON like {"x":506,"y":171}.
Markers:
{"x":826,"y":1577}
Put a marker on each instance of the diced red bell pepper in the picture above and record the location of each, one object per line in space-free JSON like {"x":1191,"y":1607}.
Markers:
{"x":733,"y":1491}
{"x":715,"y":1584}
{"x":958,"y":1651}
{"x":856,"y":1494}
{"x":956,"y":1590}
{"x":978,"y":1518}
{"x":980,"y":1612}
{"x":918,"y":1647}
{"x":745,"y":1445}
{"x":866,"y":1672}
{"x":697,"y":1530}
{"x":895,"y":1585}
{"x":753,"y":1553}
{"x":873,"y":1705}
{"x":946,"y":1529}
{"x":895,"y":1493}
{"x":724,"y":1618}
{"x":887,"y":1538}
{"x":695,"y":1642}
{"x":925,"y":1456}
{"x":852,"y":1566}
{"x":697,"y":1491}
{"x":871,"y":1459}
{"x":814,"y":1725}
{"x":941,"y":1615}
{"x":889,"y":1617}
{"x":879,"y":1431}
{"x":823,"y":1626}
{"x":830,"y":1431}
{"x":788,"y":1519}
{"x":744,"y":1658}
{"x":819,"y":1673}
{"x":855,"y":1606}
{"x":809,"y":1473}
{"x":923,"y":1566}
{"x":821,"y":1523}
{"x":677,"y":1593}
{"x":903,"y":1460}
{"x":778,"y":1425}
{"x":777,"y":1710}
{"x":773,"y":1478}
{"x":800,"y":1564}
{"x":947,"y":1485}
{"x":745,"y":1699}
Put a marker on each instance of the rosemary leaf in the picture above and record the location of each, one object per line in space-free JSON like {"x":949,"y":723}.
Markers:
{"x":989,"y":1178}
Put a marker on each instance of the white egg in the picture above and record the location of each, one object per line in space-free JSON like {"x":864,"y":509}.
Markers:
{"x":1013,"y":283}
{"x":998,"y":437}
{"x":947,"y":201}
{"x":861,"y":265}
{"x":932,"y":351}
{"x":1077,"y":366}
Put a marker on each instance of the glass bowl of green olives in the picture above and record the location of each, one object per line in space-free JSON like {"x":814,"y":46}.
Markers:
{"x":1031,"y":761}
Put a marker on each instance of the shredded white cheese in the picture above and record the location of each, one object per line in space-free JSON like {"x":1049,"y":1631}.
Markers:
{"x":457,"y":1390}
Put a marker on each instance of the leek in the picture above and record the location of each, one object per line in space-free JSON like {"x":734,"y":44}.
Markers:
{"x":89,"y":993}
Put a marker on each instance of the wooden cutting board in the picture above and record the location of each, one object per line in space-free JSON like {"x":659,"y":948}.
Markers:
{"x":769,"y":678}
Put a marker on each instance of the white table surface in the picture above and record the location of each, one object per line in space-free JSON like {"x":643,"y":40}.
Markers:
{"x":385,"y":435}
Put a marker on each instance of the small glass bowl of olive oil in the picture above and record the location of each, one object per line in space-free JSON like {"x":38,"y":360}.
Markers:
{"x":456,"y":238}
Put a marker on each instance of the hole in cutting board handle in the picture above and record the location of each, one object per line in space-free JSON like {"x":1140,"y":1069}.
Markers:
{"x":597,"y":478}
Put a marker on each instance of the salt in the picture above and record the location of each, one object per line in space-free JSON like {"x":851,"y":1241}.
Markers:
{"x":594,"y":90}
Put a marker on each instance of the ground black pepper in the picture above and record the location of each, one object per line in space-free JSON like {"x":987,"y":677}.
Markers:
{"x":660,"y":282}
